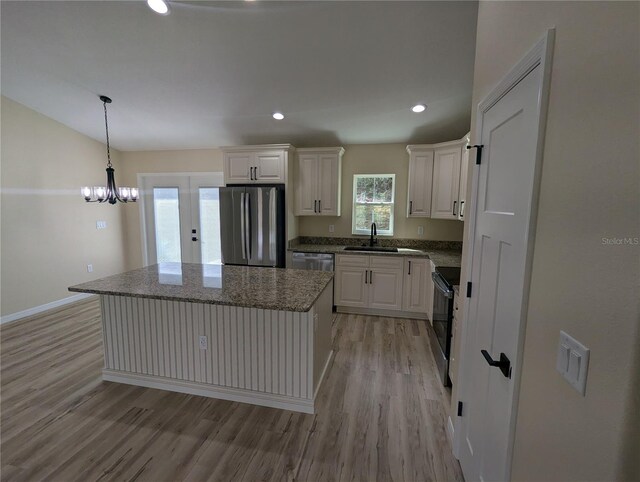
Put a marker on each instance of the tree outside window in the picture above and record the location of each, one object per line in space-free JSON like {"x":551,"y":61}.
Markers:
{"x":373,"y":198}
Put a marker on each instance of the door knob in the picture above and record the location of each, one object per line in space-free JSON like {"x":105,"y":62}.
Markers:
{"x":503,"y":364}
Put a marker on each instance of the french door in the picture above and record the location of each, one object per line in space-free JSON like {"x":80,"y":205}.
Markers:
{"x":181,"y":218}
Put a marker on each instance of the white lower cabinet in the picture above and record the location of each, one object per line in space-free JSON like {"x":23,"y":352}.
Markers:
{"x":372,"y":282}
{"x":385,"y":283}
{"x":417,"y":272}
{"x":351,"y":286}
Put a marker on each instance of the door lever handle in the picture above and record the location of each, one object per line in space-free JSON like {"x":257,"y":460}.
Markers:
{"x":503,"y":364}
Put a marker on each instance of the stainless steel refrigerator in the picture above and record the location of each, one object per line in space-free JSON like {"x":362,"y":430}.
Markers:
{"x":252,"y":225}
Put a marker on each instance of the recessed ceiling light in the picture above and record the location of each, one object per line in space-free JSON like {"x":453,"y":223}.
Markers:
{"x":278,"y":115}
{"x":159,"y":6}
{"x":419,"y":108}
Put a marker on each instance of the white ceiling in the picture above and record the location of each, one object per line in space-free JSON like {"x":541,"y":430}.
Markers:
{"x":212,"y":73}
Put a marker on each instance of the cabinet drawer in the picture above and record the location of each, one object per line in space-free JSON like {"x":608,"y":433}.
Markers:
{"x":387,"y":262}
{"x":352,"y":260}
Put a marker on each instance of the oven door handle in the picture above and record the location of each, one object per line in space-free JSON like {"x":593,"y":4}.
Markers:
{"x":441,"y":285}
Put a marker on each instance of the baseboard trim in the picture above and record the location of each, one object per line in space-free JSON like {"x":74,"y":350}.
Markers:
{"x":212,"y":391}
{"x":46,"y":307}
{"x":387,"y":313}
{"x":324,"y":372}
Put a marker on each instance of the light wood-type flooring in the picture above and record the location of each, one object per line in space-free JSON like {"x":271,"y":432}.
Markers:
{"x":380,"y":415}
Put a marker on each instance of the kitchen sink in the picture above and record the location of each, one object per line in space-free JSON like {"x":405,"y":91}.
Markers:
{"x":371,"y":248}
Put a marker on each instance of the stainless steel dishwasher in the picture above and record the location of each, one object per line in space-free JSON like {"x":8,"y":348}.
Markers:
{"x":313,"y":261}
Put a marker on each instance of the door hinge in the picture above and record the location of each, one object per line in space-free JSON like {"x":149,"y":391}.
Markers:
{"x":468,"y":289}
{"x":478,"y":152}
{"x":459,"y":409}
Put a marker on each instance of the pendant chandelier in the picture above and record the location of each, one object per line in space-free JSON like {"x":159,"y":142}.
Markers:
{"x":111,"y":193}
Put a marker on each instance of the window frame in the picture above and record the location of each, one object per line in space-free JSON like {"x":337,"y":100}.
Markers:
{"x":385,"y":232}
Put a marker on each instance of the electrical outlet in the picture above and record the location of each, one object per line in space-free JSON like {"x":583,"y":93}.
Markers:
{"x":89,"y":268}
{"x":420,"y":230}
{"x":203,"y":342}
{"x":332,"y":228}
{"x":101,"y":224}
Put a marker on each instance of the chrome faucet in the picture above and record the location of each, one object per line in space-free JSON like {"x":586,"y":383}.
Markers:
{"x":374,"y":232}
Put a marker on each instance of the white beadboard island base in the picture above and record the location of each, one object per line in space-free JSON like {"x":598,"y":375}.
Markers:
{"x":267,"y":357}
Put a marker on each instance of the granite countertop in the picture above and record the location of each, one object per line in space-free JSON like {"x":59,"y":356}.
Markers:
{"x":440,"y":257}
{"x":245,"y":286}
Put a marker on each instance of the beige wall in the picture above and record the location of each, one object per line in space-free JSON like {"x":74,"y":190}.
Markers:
{"x":49,"y":233}
{"x":380,"y":159}
{"x":589,"y":191}
{"x":134,"y":163}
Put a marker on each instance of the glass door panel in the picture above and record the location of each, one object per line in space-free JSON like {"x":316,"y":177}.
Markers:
{"x":209,"y":213}
{"x":181,"y":218}
{"x":166,"y":214}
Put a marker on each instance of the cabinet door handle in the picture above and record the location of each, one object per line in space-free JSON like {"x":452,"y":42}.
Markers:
{"x":315,"y":206}
{"x":251,"y":173}
{"x":319,"y":206}
{"x":462,"y":209}
{"x":370,"y":277}
{"x":410,"y":207}
{"x":366,"y":276}
{"x":454,"y":207}
{"x":409,"y":268}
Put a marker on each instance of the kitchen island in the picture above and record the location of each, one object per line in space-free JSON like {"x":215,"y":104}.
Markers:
{"x":248,"y":334}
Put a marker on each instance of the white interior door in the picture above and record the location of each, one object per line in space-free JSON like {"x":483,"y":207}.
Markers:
{"x":506,"y":191}
{"x":181,"y":218}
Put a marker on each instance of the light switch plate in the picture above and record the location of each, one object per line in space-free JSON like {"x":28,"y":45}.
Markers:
{"x":101,"y":224}
{"x":332,"y":228}
{"x":420,"y":230}
{"x":573,"y":362}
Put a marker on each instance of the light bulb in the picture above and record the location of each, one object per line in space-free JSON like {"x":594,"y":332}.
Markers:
{"x":86,"y":193}
{"x":134,"y":193}
{"x":419,"y":108}
{"x":159,"y":6}
{"x":100,"y":192}
{"x":124,"y":193}
{"x":278,"y":115}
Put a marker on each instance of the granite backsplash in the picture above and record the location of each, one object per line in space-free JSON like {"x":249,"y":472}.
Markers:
{"x":423,"y":244}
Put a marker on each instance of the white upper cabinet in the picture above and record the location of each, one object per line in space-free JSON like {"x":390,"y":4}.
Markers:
{"x":464,"y":168}
{"x":236,"y":166}
{"x":446,"y":181}
{"x":256,"y":164}
{"x":269,"y":166}
{"x":420,"y":181}
{"x":319,"y":177}
{"x":306,"y":186}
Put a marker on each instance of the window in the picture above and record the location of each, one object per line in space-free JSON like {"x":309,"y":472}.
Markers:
{"x":373,"y":197}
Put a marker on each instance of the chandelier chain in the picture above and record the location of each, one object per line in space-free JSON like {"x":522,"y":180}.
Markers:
{"x":106,"y":126}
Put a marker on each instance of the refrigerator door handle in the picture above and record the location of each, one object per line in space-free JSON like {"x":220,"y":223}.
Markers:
{"x":272,"y":225}
{"x":242,"y":227}
{"x":247,"y":221}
